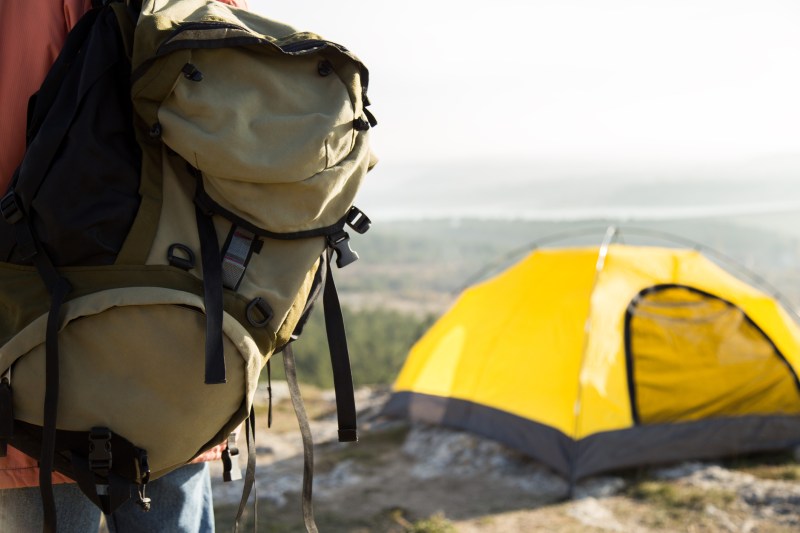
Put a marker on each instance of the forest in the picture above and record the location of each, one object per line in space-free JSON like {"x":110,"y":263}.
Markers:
{"x":411,"y":271}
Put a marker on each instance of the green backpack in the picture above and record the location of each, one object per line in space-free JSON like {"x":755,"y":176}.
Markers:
{"x":186,"y":187}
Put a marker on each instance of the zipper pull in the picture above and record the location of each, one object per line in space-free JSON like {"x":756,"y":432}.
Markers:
{"x":144,"y":476}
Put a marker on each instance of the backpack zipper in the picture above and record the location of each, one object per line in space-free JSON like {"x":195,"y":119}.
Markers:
{"x":296,"y":47}
{"x":303,"y":46}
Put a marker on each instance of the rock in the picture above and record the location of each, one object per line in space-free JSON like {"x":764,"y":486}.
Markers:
{"x":590,"y":512}
{"x":679,"y":471}
{"x":599,"y":487}
{"x":721,"y":518}
{"x":280,"y":392}
{"x":344,"y":474}
{"x":439,"y":452}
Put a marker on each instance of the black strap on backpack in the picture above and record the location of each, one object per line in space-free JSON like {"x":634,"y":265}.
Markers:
{"x":212,"y":296}
{"x":338,"y":244}
{"x":58,"y":288}
{"x":340,"y":359}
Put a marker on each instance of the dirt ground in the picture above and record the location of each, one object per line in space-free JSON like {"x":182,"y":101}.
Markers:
{"x":400,"y":478}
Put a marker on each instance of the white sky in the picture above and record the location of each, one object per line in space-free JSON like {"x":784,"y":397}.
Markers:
{"x":633,"y":80}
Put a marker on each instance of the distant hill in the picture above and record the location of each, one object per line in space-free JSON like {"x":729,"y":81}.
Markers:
{"x":582,"y":189}
{"x":407,"y":259}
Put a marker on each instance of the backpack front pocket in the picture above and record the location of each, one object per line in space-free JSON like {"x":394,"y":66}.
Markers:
{"x":132,"y":360}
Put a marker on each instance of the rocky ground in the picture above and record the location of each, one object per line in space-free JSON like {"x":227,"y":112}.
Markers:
{"x":402,"y":478}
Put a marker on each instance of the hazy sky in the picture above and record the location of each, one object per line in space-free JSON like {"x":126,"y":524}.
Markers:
{"x":630,"y":80}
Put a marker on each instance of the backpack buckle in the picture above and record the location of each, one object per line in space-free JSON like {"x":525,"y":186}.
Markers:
{"x":100,"y":450}
{"x":10,"y":208}
{"x":357,"y":220}
{"x":340,"y":242}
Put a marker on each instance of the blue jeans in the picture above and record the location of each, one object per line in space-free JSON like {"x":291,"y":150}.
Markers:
{"x":181,"y":503}
{"x":21,"y":510}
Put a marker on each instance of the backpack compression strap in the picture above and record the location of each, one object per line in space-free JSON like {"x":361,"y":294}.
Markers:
{"x":214,"y":278}
{"x":212,"y":296}
{"x":337,"y":345}
{"x":58,"y":288}
{"x":340,"y":359}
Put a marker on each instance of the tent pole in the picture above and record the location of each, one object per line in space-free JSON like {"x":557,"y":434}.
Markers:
{"x":610,"y":237}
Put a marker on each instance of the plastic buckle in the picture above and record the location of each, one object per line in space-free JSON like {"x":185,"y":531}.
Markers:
{"x":340,"y":242}
{"x":357,"y":220}
{"x":10,"y":208}
{"x":100,"y":450}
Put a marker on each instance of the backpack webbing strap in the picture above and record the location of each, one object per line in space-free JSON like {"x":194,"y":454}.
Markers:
{"x":57,"y":296}
{"x":340,"y":360}
{"x":109,"y":496}
{"x":231,"y":471}
{"x":305,"y":433}
{"x":58,"y":288}
{"x":212,"y":296}
{"x":269,"y":392}
{"x":250,"y":473}
{"x":99,"y":457}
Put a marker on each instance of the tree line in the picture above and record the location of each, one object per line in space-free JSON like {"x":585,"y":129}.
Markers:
{"x":378,"y":340}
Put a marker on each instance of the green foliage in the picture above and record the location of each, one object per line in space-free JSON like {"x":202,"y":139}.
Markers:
{"x":436,"y":523}
{"x":378,"y":340}
{"x":670,"y":496}
{"x":781,"y":465}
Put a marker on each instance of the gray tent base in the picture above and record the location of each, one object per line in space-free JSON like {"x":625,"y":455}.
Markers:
{"x":606,"y":451}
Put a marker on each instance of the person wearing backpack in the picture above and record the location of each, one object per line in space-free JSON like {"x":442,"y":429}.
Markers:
{"x":31,"y":35}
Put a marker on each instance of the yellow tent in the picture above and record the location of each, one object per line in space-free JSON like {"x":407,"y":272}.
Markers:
{"x":596,"y":358}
